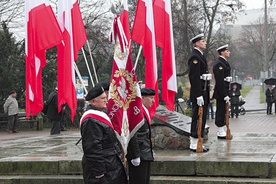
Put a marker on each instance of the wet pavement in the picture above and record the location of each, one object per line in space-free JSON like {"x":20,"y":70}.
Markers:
{"x":254,"y":138}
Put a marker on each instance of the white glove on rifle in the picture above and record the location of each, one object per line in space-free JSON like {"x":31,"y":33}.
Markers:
{"x":240,"y":98}
{"x":200,"y":101}
{"x":227,"y":99}
{"x":136,"y":161}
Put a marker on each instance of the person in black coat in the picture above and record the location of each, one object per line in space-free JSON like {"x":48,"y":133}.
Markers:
{"x":53,"y":114}
{"x":222,"y":73}
{"x":199,"y":93}
{"x":139,"y":152}
{"x":235,"y":100}
{"x":269,"y":93}
{"x":102,"y":160}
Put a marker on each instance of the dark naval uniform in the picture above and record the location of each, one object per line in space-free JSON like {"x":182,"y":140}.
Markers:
{"x":221,"y":70}
{"x":102,"y":154}
{"x":140,"y":146}
{"x":198,"y":66}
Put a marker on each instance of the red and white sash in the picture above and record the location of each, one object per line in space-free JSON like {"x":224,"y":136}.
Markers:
{"x":98,"y":115}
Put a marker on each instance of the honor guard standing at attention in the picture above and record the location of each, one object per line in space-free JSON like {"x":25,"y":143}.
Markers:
{"x":102,"y":159}
{"x":222,"y":73}
{"x":199,"y":93}
{"x":139,"y":153}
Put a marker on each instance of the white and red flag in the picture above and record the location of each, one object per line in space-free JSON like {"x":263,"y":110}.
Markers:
{"x":74,"y":37}
{"x":164,"y":39}
{"x":124,"y":103}
{"x":42,"y":33}
{"x":143,"y":32}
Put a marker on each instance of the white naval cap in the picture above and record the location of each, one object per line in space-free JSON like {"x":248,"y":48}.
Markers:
{"x":222,"y":48}
{"x":197,"y":38}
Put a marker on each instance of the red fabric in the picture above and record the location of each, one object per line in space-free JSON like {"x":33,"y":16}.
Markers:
{"x":125,"y":103}
{"x":144,"y":34}
{"x":40,"y":36}
{"x":164,"y":39}
{"x":74,"y":37}
{"x":98,"y":116}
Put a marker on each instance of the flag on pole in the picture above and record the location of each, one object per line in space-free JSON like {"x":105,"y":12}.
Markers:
{"x":124,"y":103}
{"x":74,"y":37}
{"x":143,"y":33}
{"x":40,"y":36}
{"x":164,"y":39}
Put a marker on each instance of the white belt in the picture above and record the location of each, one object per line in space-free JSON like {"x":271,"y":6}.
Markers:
{"x":206,"y":76}
{"x":228,"y":79}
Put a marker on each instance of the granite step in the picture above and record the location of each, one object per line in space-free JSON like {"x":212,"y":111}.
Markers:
{"x":77,"y":179}
{"x":162,"y":166}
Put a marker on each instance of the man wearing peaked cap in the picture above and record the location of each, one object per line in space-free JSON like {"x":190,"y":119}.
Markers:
{"x":139,"y":153}
{"x":102,"y":158}
{"x":222,"y":74}
{"x":199,"y":92}
{"x":197,"y":38}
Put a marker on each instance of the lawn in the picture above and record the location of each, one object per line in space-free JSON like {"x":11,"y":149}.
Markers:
{"x":245,"y":90}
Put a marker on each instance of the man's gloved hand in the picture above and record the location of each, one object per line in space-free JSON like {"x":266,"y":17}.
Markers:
{"x":136,"y":161}
{"x":206,"y":76}
{"x":228,"y":79}
{"x":200,"y":101}
{"x":227,"y":99}
{"x":240,"y":98}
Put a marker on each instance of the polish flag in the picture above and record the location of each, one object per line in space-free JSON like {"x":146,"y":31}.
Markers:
{"x":124,"y":103}
{"x":42,"y":33}
{"x":164,"y":39}
{"x":143,"y":33}
{"x":74,"y":37}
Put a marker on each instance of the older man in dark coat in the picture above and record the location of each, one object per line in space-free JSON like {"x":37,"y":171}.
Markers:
{"x":140,"y":153}
{"x":102,"y":159}
{"x":199,"y":93}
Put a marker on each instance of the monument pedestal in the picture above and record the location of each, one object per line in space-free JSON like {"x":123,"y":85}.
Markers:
{"x":171,"y":130}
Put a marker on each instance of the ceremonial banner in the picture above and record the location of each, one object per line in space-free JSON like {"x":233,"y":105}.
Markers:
{"x":42,"y":33}
{"x":124,"y":103}
{"x":164,"y":39}
{"x":74,"y":37}
{"x":143,"y":33}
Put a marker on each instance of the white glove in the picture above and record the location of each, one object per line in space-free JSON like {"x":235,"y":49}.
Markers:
{"x":227,"y":99}
{"x":240,"y":98}
{"x":206,"y":76}
{"x":136,"y":161}
{"x":200,"y":101}
{"x":228,"y":79}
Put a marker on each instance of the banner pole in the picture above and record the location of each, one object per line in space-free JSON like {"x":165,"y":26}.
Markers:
{"x":86,"y":62}
{"x":92,"y":61}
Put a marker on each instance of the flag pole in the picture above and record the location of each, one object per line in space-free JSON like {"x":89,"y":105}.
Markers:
{"x":92,"y":61}
{"x":137,"y":58}
{"x":86,"y":62}
{"x":79,"y":75}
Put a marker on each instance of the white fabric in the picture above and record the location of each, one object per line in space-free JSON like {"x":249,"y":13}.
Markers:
{"x":193,"y":143}
{"x":221,"y":132}
{"x":136,"y":161}
{"x":206,"y":76}
{"x":228,"y":79}
{"x":200,"y":101}
{"x":227,"y":99}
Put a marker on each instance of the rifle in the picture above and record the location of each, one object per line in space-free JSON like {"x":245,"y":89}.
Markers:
{"x":199,"y":148}
{"x":228,"y":132}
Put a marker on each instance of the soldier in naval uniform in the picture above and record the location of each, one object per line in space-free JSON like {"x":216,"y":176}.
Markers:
{"x":102,"y":159}
{"x":222,"y":74}
{"x":199,"y":93}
